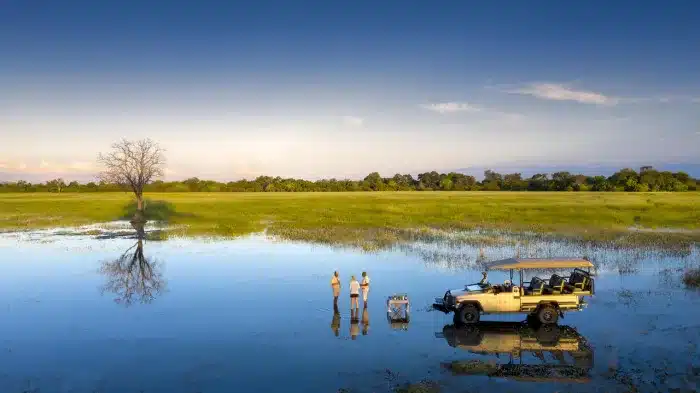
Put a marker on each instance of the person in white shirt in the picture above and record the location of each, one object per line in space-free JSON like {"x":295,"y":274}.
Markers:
{"x":335,"y":284}
{"x":365,"y":287}
{"x":354,"y":293}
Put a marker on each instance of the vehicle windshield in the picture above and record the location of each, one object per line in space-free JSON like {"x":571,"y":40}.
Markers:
{"x":474,"y":288}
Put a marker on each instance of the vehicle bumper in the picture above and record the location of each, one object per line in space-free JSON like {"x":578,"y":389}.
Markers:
{"x":440,"y":305}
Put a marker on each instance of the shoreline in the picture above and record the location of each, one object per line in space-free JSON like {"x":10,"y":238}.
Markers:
{"x":378,"y":239}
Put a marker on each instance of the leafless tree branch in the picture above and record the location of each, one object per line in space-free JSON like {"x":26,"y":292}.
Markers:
{"x":132,"y":165}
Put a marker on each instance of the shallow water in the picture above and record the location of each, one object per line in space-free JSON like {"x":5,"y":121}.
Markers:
{"x":251,"y":315}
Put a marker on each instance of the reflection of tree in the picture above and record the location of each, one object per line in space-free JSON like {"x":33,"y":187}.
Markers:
{"x":132,"y":276}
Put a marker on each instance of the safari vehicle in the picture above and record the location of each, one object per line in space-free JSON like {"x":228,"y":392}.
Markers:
{"x":521,"y":351}
{"x":545,"y":300}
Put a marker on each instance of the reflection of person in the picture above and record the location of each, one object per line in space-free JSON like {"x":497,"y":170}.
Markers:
{"x":354,"y":293}
{"x":335,"y":284}
{"x":335,"y":323}
{"x":365,"y":287}
{"x":365,"y":320}
{"x":354,"y":326}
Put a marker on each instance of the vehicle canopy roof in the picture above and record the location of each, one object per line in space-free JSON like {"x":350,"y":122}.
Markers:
{"x":538,"y":263}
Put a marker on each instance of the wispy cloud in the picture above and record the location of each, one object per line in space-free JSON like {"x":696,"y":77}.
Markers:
{"x":562,"y":92}
{"x":664,"y":99}
{"x":353,"y":121}
{"x":451,"y":107}
{"x":565,"y":92}
{"x":43,"y":166}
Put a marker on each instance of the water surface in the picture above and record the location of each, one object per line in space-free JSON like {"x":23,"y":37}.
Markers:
{"x":95,"y":313}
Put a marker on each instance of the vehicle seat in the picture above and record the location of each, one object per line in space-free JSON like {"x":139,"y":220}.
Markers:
{"x":577,"y":282}
{"x":556,"y":284}
{"x":536,"y":286}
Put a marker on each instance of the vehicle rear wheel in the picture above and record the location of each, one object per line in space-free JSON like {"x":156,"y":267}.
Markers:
{"x":467,"y":315}
{"x":548,"y":315}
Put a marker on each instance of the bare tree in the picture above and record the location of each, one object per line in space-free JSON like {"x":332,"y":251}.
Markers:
{"x":132,"y":165}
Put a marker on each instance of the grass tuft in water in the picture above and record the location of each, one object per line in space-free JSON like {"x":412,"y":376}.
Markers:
{"x":691,"y":278}
{"x":419,"y":387}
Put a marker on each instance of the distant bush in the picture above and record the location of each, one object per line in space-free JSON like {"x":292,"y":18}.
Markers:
{"x":691,"y":278}
{"x":624,"y":180}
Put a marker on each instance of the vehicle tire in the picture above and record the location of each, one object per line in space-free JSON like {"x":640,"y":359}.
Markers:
{"x":532,"y":320}
{"x":467,"y":315}
{"x":548,"y":315}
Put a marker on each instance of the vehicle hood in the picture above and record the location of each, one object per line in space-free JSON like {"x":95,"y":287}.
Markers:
{"x":459,"y":292}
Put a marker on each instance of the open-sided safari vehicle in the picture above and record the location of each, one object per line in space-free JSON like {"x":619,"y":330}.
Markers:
{"x":520,"y":351}
{"x":544,"y":299}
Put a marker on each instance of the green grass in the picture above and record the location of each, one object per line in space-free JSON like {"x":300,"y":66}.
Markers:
{"x":375,"y":217}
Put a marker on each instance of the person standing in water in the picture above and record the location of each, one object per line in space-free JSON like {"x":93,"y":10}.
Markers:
{"x":365,"y":287}
{"x":354,"y":293}
{"x":335,"y":284}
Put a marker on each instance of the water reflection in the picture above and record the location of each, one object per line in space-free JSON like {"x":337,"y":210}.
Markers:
{"x":520,"y":351}
{"x":365,"y":320}
{"x":354,"y":323}
{"x":133,"y":277}
{"x":335,"y":322}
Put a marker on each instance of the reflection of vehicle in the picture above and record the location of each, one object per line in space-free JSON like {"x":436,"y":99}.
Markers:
{"x":570,"y":356}
{"x":546,"y":299}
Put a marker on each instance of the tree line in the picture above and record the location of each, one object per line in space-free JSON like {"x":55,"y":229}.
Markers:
{"x":629,"y":180}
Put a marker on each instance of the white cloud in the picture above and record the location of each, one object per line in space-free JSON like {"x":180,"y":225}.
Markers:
{"x":22,"y":166}
{"x":44,"y":164}
{"x":451,"y":107}
{"x":561,"y":92}
{"x":353,"y":121}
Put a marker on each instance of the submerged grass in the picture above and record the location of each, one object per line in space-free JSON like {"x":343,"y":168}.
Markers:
{"x":419,"y":387}
{"x":691,"y":278}
{"x":377,"y":219}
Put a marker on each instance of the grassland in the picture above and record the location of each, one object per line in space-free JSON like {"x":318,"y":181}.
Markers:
{"x":374,"y":217}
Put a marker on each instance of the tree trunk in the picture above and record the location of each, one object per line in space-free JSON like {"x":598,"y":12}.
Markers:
{"x":139,"y":217}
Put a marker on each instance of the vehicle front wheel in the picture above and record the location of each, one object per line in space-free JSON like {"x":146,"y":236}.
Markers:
{"x":548,"y":315}
{"x":467,"y":315}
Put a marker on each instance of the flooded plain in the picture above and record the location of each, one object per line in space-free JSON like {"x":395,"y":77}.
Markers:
{"x":100,"y":310}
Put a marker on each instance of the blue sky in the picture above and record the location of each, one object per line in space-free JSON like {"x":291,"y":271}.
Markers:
{"x":322,"y":89}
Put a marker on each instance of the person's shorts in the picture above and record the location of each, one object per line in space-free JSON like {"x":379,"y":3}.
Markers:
{"x":354,"y":295}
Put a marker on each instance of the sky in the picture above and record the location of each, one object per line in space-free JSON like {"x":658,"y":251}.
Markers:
{"x":330,"y":89}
